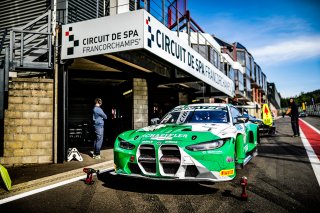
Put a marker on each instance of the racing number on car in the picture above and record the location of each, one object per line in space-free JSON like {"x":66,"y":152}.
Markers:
{"x":240,"y":127}
{"x":183,"y":116}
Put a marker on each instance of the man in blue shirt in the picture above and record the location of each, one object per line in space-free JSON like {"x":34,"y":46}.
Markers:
{"x":98,"y":123}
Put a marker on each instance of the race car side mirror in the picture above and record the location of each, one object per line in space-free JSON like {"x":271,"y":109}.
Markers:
{"x":242,"y":119}
{"x":155,"y":121}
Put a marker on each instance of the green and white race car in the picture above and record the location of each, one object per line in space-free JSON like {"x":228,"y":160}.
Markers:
{"x":197,"y":142}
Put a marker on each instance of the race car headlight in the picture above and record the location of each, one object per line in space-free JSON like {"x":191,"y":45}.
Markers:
{"x":125,"y":144}
{"x":206,"y":145}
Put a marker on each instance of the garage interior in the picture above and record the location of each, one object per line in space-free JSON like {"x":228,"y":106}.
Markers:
{"x":88,"y":79}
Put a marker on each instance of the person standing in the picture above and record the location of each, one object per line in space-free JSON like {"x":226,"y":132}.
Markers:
{"x":294,"y":113}
{"x":98,"y":123}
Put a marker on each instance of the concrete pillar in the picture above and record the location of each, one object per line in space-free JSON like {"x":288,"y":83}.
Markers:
{"x":119,"y":6}
{"x":260,"y":97}
{"x":254,"y":95}
{"x":140,"y":103}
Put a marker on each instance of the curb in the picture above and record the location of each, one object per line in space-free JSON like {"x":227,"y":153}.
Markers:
{"x":75,"y":174}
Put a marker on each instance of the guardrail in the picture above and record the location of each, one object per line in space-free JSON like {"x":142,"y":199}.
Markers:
{"x":313,"y":110}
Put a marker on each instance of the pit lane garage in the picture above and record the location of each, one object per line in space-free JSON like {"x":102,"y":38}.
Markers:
{"x":87,"y":80}
{"x":83,"y":88}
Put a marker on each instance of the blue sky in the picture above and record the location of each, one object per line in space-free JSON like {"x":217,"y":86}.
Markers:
{"x":282,"y":35}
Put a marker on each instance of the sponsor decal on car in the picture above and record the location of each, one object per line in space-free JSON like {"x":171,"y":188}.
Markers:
{"x":214,"y":151}
{"x":229,"y":159}
{"x":239,"y":127}
{"x":164,"y":136}
{"x":245,"y":148}
{"x":226,"y":172}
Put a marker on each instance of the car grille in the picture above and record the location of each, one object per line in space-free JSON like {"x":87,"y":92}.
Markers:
{"x":170,"y":159}
{"x":147,"y":158}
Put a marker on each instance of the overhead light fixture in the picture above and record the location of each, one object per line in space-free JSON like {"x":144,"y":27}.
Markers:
{"x":128,"y":63}
{"x":127,"y":92}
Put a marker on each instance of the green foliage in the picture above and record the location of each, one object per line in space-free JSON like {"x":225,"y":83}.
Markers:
{"x":303,"y":98}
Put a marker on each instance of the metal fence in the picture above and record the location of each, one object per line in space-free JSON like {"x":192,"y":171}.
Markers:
{"x":313,"y":110}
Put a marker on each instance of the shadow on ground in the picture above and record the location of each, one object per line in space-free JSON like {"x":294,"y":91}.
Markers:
{"x":155,"y":186}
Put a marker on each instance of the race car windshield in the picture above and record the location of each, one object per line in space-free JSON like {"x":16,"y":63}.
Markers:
{"x":212,"y":115}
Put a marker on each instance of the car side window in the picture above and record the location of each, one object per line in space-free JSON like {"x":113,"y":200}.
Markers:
{"x":235,"y":113}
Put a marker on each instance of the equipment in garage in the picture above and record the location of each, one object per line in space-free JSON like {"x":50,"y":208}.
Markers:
{"x":90,"y":172}
{"x":73,"y":154}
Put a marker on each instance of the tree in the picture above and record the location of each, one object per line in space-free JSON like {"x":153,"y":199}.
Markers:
{"x":303,"y":98}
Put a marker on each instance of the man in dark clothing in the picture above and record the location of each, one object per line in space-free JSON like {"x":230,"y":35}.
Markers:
{"x":98,"y":123}
{"x":294,"y":113}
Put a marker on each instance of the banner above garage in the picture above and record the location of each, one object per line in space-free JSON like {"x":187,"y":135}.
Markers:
{"x":102,"y":35}
{"x":137,"y":30}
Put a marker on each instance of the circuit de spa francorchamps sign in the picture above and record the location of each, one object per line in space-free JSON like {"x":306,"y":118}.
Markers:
{"x":137,"y":30}
{"x":102,"y":35}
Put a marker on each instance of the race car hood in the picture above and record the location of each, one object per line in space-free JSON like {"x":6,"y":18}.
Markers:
{"x":181,"y":131}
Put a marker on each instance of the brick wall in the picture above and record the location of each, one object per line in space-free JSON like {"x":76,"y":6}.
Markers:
{"x":140,"y":103}
{"x":28,"y":123}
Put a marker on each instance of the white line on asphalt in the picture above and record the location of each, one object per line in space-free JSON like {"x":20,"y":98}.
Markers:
{"x":312,"y":127}
{"x":42,"y":189}
{"x":314,"y":160}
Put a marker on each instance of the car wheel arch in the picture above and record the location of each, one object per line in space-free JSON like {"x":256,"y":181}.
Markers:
{"x":251,"y":137}
{"x":239,"y":143}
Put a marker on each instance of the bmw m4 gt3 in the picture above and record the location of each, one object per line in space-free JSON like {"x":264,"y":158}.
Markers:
{"x":198,"y":142}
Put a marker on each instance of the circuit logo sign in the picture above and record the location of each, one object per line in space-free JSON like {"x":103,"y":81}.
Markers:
{"x":151,"y":39}
{"x":73,"y":43}
{"x":103,"y":35}
{"x":164,"y":43}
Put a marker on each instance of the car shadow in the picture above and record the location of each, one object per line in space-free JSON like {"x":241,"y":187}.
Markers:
{"x":139,"y":185}
{"x":228,"y":193}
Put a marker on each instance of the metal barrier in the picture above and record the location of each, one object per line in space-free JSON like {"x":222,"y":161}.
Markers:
{"x":313,"y":110}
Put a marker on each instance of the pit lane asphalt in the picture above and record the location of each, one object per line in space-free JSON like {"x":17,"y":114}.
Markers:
{"x":280,"y":179}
